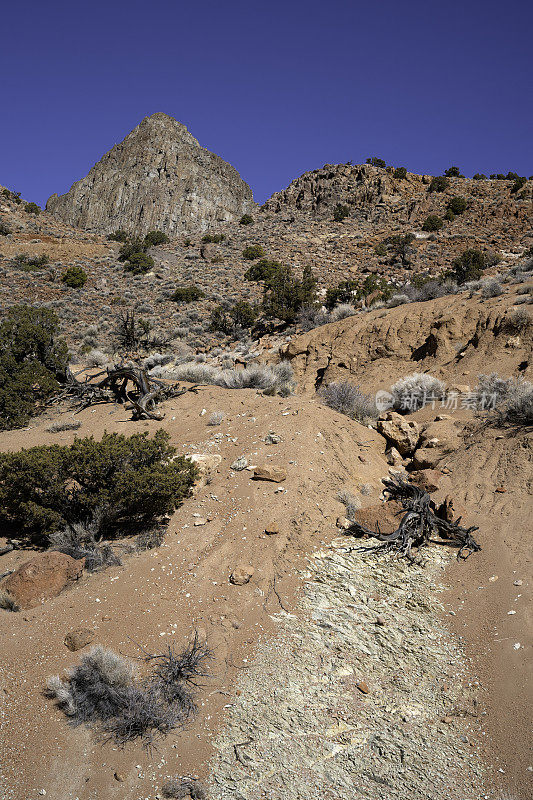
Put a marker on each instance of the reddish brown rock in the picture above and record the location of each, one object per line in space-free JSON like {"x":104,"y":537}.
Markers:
{"x":427,"y":479}
{"x":241,"y":574}
{"x":42,"y":578}
{"x":386,"y":515}
{"x":270,"y":473}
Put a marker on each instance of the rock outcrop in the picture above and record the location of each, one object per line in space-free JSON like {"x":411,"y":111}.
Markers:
{"x":158,"y":177}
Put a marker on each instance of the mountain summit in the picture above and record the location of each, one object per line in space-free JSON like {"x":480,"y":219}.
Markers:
{"x":158,"y":177}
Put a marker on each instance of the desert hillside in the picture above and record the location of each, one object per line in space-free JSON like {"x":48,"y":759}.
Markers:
{"x":265,"y":485}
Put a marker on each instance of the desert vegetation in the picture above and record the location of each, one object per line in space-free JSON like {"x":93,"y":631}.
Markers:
{"x":32,"y":361}
{"x":105,"y":692}
{"x":348,"y":399}
{"x":78,"y":494}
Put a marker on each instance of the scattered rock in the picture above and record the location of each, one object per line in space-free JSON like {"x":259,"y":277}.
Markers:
{"x":401,"y":432}
{"x":241,"y":574}
{"x":272,"y":529}
{"x":207,"y":464}
{"x":343,"y":523}
{"x":393,"y":457}
{"x":239,"y":464}
{"x":43,"y":577}
{"x":79,"y":638}
{"x":266,"y":473}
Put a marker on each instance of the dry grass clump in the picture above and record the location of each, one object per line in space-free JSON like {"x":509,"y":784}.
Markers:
{"x":67,"y":425}
{"x":180,"y":788}
{"x":350,"y":502}
{"x":347,"y":399}
{"x":276,"y":379}
{"x":415,"y":391}
{"x":104,"y":691}
{"x":216,"y":418}
{"x":511,"y":399}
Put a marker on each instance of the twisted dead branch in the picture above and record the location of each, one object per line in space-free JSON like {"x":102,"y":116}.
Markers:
{"x":418,"y":525}
{"x":121,"y":384}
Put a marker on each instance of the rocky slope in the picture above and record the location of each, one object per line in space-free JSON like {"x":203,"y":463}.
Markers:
{"x":158,"y":177}
{"x":374,"y":194}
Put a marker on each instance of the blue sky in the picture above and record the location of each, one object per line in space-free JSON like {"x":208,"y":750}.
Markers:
{"x":275,"y":88}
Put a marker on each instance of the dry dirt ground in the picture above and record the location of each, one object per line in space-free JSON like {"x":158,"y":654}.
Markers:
{"x":282,"y":713}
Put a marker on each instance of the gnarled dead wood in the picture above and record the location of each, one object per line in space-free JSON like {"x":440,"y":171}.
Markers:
{"x":121,"y":384}
{"x":418,"y":525}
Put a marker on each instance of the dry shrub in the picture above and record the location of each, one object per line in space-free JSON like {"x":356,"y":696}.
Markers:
{"x":415,"y":391}
{"x":347,"y":399}
{"x":103,"y":691}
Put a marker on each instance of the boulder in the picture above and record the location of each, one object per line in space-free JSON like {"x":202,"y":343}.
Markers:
{"x":241,"y":574}
{"x":41,"y":578}
{"x":270,"y":473}
{"x":402,"y":433}
{"x":426,"y":458}
{"x":386,"y":515}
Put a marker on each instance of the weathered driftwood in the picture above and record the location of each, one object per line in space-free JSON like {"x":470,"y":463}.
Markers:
{"x":122,"y":384}
{"x":418,"y":525}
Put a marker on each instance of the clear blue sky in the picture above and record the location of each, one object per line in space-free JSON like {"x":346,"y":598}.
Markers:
{"x":275,"y":88}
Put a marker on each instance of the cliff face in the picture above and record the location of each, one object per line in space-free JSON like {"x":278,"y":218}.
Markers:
{"x":158,"y":177}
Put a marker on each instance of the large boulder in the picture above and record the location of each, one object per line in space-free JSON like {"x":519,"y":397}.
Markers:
{"x":402,"y":433}
{"x":41,"y":578}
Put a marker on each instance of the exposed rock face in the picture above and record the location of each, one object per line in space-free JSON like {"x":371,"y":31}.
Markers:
{"x":158,"y":177}
{"x":373,"y":195}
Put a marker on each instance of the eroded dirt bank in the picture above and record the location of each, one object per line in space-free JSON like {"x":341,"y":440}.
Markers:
{"x":285,"y":711}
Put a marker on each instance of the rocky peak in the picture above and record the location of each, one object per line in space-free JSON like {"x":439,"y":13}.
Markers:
{"x":158,"y":177}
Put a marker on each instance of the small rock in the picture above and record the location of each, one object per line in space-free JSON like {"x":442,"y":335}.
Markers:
{"x":343,"y":523}
{"x":199,"y":522}
{"x":447,"y":720}
{"x":517,"y":583}
{"x":119,"y":777}
{"x":241,"y":574}
{"x":501,"y":490}
{"x":272,"y":438}
{"x":266,"y":473}
{"x":363,"y":687}
{"x":271,"y":529}
{"x":239,"y":464}
{"x":393,"y":457}
{"x":380,"y":621}
{"x":79,"y":638}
